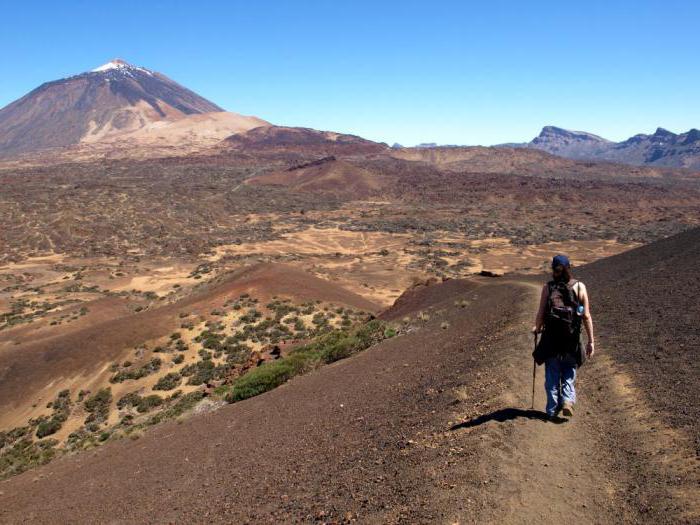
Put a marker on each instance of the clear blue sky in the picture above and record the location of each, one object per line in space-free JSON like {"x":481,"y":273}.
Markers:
{"x":448,"y":72}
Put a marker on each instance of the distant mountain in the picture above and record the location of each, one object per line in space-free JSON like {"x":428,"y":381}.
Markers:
{"x":113,"y":100}
{"x":662,"y":148}
{"x":571,"y":144}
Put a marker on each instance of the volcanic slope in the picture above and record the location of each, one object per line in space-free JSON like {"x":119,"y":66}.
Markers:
{"x":34,"y":367}
{"x":327,"y":175}
{"x":110,"y":104}
{"x":431,"y":426}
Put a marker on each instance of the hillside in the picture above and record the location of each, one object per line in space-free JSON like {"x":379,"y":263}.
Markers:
{"x":36,"y":363}
{"x":327,"y":175}
{"x":429,"y":426}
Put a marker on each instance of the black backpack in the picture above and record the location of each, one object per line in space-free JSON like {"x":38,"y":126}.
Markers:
{"x":562,"y":315}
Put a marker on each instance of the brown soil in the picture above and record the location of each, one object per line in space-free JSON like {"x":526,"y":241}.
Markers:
{"x":34,"y":369}
{"x":432,"y":426}
{"x":330,"y":176}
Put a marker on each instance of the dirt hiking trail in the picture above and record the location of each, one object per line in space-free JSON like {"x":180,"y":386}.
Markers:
{"x":600,"y":466}
{"x":432,"y":426}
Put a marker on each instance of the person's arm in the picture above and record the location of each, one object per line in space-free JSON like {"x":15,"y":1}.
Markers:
{"x":588,"y":322}
{"x":539,"y":320}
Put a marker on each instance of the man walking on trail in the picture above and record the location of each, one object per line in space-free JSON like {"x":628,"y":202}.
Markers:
{"x":564,"y":307}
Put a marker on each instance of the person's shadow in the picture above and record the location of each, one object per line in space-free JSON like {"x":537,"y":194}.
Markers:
{"x":507,"y":414}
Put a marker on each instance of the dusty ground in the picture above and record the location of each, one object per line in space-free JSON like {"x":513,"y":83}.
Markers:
{"x":99,"y":261}
{"x":431,"y":426}
{"x":38,"y":360}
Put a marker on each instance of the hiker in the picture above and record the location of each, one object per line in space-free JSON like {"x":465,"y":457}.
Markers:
{"x":564,"y":307}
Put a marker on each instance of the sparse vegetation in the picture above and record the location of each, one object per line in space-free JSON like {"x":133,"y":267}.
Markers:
{"x":137,"y":373}
{"x":98,"y":406}
{"x":325,"y":349}
{"x":168,"y":382}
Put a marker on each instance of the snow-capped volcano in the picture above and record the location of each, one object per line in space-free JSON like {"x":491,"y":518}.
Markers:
{"x":118,"y":63}
{"x":109,"y":103}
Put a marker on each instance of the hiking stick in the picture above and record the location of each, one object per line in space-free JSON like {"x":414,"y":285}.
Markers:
{"x":534,"y":373}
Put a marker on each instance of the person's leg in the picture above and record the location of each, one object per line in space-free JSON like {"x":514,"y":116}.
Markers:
{"x":551,"y":384}
{"x":568,"y":379}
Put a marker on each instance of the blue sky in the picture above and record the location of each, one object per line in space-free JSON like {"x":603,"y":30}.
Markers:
{"x":448,"y":72}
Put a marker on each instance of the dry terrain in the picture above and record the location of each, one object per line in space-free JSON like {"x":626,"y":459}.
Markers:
{"x":136,"y":295}
{"x":430,"y":426}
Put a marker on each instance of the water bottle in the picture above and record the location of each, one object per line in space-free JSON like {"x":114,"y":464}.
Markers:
{"x":579,"y":309}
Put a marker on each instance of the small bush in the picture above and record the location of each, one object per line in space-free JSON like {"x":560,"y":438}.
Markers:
{"x":326,"y":349}
{"x":267,"y":377}
{"x":98,"y":405}
{"x":46,"y":428}
{"x":152,"y":366}
{"x":148,"y":402}
{"x":131,"y":399}
{"x":168,"y":381}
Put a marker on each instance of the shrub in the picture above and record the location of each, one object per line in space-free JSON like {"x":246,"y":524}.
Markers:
{"x":98,"y":405}
{"x":326,"y":349}
{"x":152,"y":366}
{"x":130,"y":399}
{"x":46,"y":428}
{"x":148,"y":402}
{"x":266,"y":377}
{"x":183,"y":404}
{"x":202,"y":372}
{"x":178,"y":359}
{"x":25,"y":454}
{"x":168,"y":381}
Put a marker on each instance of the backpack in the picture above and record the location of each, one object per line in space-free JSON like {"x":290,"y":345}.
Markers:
{"x":563,"y":312}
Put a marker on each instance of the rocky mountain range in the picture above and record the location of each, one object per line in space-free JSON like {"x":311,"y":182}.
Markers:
{"x":661,"y":148}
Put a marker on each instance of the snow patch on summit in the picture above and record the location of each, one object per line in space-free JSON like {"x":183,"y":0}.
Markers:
{"x":119,"y":64}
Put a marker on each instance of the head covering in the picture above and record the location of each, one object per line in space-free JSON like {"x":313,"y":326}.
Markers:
{"x":560,"y":260}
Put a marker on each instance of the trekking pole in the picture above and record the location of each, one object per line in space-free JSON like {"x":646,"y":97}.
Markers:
{"x":534,"y":373}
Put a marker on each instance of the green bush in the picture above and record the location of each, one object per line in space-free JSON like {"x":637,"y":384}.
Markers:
{"x":168,"y":381}
{"x":46,"y":428}
{"x":148,"y":402}
{"x":183,"y":404}
{"x":98,"y":405}
{"x":152,"y":366}
{"x":325,"y":349}
{"x":267,"y":376}
{"x":25,"y":454}
{"x":131,"y":399}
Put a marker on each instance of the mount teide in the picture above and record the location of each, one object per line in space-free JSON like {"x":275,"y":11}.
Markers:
{"x":114,"y":103}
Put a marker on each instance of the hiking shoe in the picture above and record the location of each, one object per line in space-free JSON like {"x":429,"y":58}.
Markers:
{"x":567,"y":410}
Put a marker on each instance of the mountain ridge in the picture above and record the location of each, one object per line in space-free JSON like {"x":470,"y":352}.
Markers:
{"x":662,"y":148}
